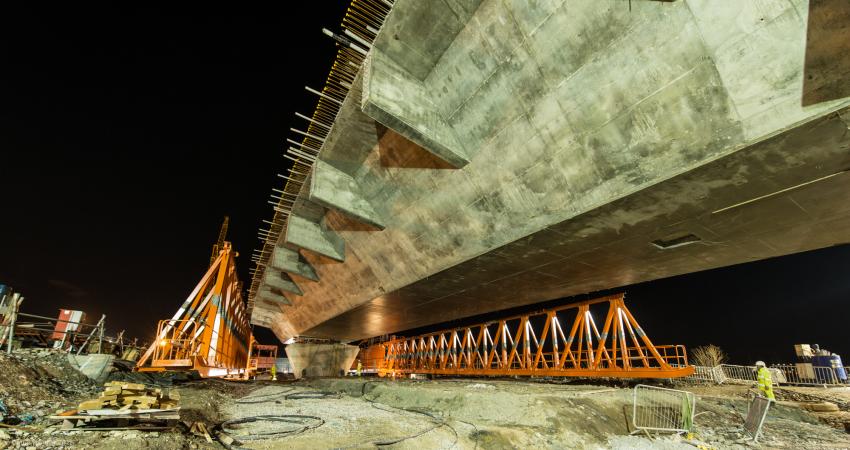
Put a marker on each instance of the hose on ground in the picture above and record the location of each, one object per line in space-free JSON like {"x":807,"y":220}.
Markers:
{"x":264,"y":398}
{"x":302,"y":423}
{"x":436,"y":421}
{"x":311,"y":395}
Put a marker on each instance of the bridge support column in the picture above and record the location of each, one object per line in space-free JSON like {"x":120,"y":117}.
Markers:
{"x":320,"y":360}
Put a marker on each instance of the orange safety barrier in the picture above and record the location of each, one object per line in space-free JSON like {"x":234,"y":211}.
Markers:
{"x":210,"y":332}
{"x":511,"y":347}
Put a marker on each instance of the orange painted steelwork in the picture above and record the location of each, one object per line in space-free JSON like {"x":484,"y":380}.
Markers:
{"x":511,"y":347}
{"x":210,"y":332}
{"x":260,"y":358}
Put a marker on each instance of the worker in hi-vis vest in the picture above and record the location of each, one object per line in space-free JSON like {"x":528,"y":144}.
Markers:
{"x":765,"y":383}
{"x":274,"y":372}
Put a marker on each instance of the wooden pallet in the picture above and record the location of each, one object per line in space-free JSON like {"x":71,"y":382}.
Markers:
{"x":150,"y":419}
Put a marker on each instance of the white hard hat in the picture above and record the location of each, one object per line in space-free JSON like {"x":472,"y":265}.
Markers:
{"x":760,"y":364}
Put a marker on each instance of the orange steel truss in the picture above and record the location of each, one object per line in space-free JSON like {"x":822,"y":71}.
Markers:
{"x":210,"y":332}
{"x":512,"y":347}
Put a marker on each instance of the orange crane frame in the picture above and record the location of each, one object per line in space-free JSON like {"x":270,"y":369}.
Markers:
{"x":490,"y":349}
{"x":210,"y":331}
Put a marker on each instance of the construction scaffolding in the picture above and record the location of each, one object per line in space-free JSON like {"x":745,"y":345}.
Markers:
{"x":67,"y":332}
{"x":513,"y":347}
{"x":261,"y":358}
{"x":210,"y":331}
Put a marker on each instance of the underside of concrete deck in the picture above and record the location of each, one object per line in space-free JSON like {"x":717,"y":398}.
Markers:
{"x":499,"y":153}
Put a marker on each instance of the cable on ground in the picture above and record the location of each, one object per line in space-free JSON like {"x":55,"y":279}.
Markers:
{"x":264,"y":398}
{"x":437,"y":421}
{"x":302,"y":423}
{"x":312,"y":395}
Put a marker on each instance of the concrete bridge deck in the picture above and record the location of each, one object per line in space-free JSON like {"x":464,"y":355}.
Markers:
{"x":498,"y":153}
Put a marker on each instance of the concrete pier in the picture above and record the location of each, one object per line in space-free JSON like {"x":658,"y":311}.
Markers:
{"x":320,"y":360}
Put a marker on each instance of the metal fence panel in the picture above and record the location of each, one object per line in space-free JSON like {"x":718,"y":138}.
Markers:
{"x":800,"y":374}
{"x":807,"y":374}
{"x":756,"y":415}
{"x":739,"y":374}
{"x":707,"y":374}
{"x":662,"y":409}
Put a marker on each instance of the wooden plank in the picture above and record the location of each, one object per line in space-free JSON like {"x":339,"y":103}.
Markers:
{"x":112,"y":390}
{"x":133,"y":428}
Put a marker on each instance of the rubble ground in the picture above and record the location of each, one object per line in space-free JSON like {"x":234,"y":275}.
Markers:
{"x":37,"y":381}
{"x":406,"y":414}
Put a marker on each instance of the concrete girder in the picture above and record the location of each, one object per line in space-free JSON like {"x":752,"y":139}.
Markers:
{"x":402,"y":103}
{"x":417,"y":34}
{"x":312,"y":236}
{"x":597,"y":129}
{"x":333,"y":188}
{"x":280,"y":280}
{"x":270,"y":296}
{"x":290,"y":260}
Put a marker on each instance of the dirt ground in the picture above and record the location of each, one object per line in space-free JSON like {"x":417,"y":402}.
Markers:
{"x":360,"y":413}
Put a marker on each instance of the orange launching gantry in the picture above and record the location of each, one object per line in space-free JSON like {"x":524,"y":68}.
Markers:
{"x":210,"y":332}
{"x":512,"y":347}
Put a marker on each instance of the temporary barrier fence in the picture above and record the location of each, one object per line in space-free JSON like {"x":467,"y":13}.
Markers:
{"x":707,"y":374}
{"x":807,"y":374}
{"x":756,"y":415}
{"x":739,"y":374}
{"x":661,"y":409}
{"x":796,"y":374}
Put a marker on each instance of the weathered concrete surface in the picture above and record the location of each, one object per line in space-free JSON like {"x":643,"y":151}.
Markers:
{"x":275,"y":279}
{"x":290,"y":260}
{"x":394,"y":98}
{"x":94,"y":366}
{"x":333,"y":188}
{"x":827,"y":52}
{"x":320,"y":360}
{"x":611,"y":245}
{"x":316,"y":237}
{"x":591,"y":130}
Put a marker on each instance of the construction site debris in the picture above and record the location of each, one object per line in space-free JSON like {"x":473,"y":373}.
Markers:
{"x":444,"y":413}
{"x":132,"y":396}
{"x":38,"y":381}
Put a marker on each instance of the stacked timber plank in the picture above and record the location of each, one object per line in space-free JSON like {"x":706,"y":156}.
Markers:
{"x":132,"y":397}
{"x":121,"y":404}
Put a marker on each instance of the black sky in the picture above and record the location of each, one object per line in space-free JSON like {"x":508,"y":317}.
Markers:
{"x":126,"y":135}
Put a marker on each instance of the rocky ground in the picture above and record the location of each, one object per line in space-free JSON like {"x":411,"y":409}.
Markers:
{"x":445,"y":413}
{"x":36,"y":382}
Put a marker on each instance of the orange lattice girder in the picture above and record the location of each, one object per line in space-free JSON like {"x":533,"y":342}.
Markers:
{"x":621,"y":350}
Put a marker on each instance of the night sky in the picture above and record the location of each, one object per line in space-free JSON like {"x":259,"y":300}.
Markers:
{"x":126,"y":136}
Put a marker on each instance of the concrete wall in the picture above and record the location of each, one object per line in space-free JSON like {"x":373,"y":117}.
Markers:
{"x":537,"y":112}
